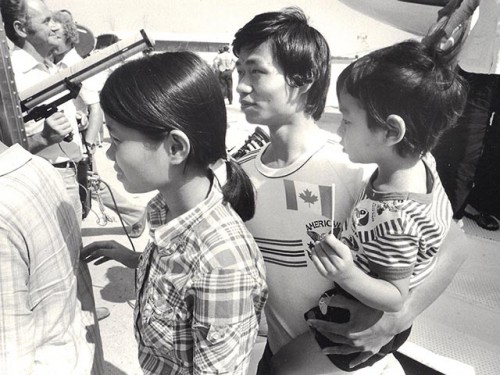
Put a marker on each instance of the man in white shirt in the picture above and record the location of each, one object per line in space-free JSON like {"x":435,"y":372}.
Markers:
{"x":29,"y":25}
{"x":225,"y":63}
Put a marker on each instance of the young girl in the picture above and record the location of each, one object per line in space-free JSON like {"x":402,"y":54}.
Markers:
{"x":200,"y":281}
{"x":395,"y":104}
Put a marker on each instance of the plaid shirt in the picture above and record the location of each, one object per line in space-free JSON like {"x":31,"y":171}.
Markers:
{"x":47,"y":317}
{"x":201,"y":289}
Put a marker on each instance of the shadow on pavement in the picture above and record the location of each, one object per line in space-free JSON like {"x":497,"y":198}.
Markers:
{"x":90,"y":232}
{"x":110,"y":369}
{"x":121,"y":286}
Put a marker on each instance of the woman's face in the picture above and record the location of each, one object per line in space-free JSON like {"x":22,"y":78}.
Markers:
{"x":141,"y":165}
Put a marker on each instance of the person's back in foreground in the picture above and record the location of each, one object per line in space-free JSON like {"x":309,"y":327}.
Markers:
{"x":200,"y":281}
{"x":284,"y":74}
{"x":395,"y":103}
{"x":47,"y":321}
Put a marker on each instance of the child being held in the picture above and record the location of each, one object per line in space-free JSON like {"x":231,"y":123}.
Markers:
{"x":395,"y":103}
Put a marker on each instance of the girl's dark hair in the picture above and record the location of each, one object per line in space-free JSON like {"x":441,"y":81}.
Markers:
{"x":178,"y":90}
{"x":411,"y":80}
{"x":300,"y":50}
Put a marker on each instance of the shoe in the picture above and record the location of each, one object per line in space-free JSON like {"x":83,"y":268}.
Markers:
{"x":138,"y":228}
{"x":102,"y":312}
{"x":255,"y":141}
{"x":485,"y":221}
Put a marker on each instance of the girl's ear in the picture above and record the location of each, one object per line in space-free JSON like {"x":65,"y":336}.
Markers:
{"x":396,"y":129}
{"x":304,"y":88}
{"x":177,"y":146}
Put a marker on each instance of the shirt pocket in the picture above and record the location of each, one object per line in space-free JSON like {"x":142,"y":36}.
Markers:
{"x":158,"y":321}
{"x":166,"y":329}
{"x":221,"y":348}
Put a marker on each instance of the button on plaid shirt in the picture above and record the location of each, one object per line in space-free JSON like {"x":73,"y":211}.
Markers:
{"x":201,"y":289}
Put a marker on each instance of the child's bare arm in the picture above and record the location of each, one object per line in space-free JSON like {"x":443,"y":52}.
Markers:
{"x":336,"y":263}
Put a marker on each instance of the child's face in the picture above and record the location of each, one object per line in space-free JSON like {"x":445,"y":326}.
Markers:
{"x":360,"y":142}
{"x":265,"y":96}
{"x":137,"y":160}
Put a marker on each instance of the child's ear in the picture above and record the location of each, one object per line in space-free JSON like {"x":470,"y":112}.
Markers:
{"x":177,"y":146}
{"x":396,"y":129}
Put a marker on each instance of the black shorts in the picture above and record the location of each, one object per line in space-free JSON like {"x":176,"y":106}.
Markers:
{"x":339,"y":315}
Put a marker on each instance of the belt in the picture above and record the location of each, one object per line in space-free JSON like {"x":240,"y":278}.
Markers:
{"x":65,"y":164}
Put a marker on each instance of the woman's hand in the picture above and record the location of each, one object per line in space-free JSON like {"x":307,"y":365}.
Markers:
{"x":102,"y":251}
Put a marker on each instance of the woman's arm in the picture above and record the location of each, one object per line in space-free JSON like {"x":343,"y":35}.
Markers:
{"x":102,"y":251}
{"x":460,"y":15}
{"x":225,"y":321}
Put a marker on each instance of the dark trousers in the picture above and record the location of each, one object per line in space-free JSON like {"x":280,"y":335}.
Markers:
{"x":226,"y":81}
{"x":459,"y":152}
{"x":264,"y":366}
{"x":485,"y":195}
{"x":340,"y":315}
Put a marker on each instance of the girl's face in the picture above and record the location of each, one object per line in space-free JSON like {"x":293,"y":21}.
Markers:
{"x":140,"y":164}
{"x":360,"y":142}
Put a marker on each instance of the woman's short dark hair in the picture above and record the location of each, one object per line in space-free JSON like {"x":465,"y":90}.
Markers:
{"x":178,"y":90}
{"x":300,"y":50}
{"x":410,"y":80}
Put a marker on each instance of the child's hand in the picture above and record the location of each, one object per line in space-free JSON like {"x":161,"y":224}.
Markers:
{"x":333,"y":259}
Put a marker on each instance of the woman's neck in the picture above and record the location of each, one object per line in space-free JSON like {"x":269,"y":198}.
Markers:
{"x":186,"y":195}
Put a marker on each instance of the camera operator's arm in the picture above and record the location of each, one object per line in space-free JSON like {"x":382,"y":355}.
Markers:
{"x":55,"y":128}
{"x":369,"y":329}
{"x":96,"y":119}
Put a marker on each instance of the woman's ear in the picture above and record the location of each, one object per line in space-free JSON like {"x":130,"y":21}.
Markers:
{"x":396,"y":129}
{"x":177,"y":146}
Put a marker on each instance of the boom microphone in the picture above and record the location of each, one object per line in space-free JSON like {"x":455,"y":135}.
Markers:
{"x":88,"y":67}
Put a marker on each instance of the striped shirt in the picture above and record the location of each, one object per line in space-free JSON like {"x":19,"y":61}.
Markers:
{"x":397,"y":235}
{"x":201,"y":289}
{"x":47,"y":315}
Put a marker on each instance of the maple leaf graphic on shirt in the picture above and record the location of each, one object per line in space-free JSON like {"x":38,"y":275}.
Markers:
{"x":308,"y":197}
